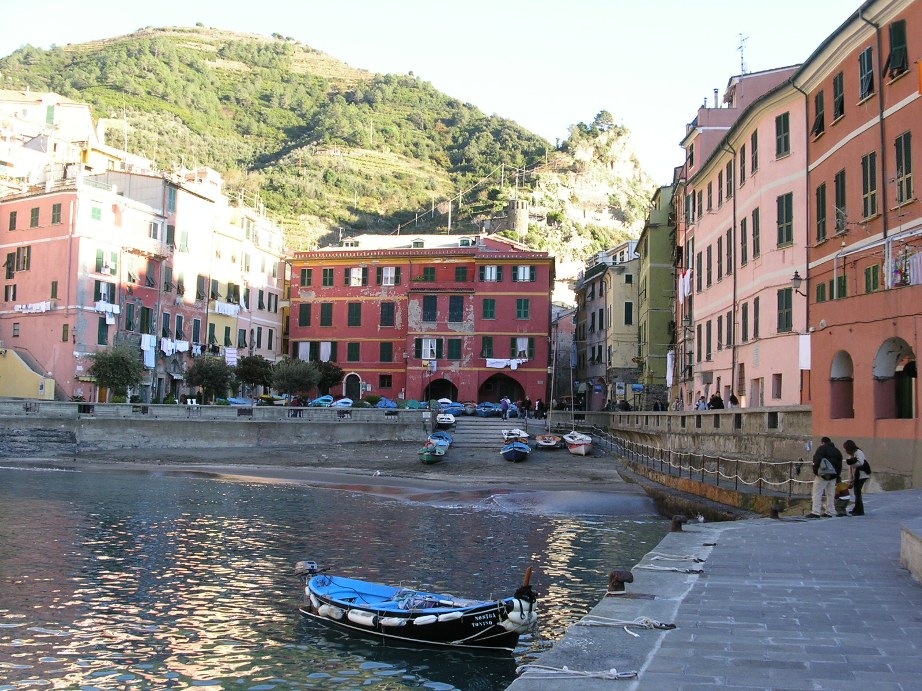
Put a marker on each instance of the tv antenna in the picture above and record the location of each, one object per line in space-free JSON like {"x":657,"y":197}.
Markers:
{"x":742,"y":50}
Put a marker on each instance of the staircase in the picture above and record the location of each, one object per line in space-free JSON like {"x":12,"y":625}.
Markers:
{"x":472,"y":432}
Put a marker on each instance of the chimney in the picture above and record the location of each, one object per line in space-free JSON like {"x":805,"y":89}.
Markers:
{"x":715,"y":98}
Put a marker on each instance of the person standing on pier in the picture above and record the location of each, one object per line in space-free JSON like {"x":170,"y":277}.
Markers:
{"x":824,"y":483}
{"x":859,"y":470}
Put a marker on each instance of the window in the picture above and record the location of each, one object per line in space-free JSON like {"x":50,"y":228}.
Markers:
{"x":756,"y":234}
{"x":898,"y":60}
{"x":838,"y":96}
{"x":744,"y":322}
{"x":489,"y":308}
{"x":820,"y":213}
{"x":385,"y":381}
{"x":54,"y":290}
{"x":180,"y":334}
{"x":841,"y":211}
{"x":147,"y":320}
{"x":872,"y":278}
{"x":628,"y":313}
{"x":166,"y":320}
{"x":326,"y":314}
{"x":698,"y":273}
{"x":461,"y":274}
{"x":261,"y":299}
{"x":327,"y":277}
{"x":785,"y":310}
{"x":196,"y":330}
{"x":729,"y":177}
{"x":710,"y":196}
{"x":96,"y":213}
{"x":491,"y":274}
{"x":729,"y":245}
{"x":522,"y":347}
{"x":270,"y":339}
{"x":720,"y":332}
{"x":12,"y":220}
{"x":9,"y":292}
{"x":388,"y":276}
{"x":388,"y":310}
{"x":869,"y":185}
{"x":785,"y":219}
{"x":700,"y":206}
{"x":386,"y":351}
{"x":241,"y":338}
{"x":522,"y":308}
{"x":418,"y":244}
{"x":428,"y":274}
{"x":729,"y":322}
{"x":307,"y":277}
{"x":65,"y":332}
{"x":486,"y":347}
{"x":153,"y":231}
{"x":691,"y":155}
{"x":819,"y":115}
{"x":700,"y":344}
{"x":24,"y":258}
{"x":429,"y":348}
{"x":33,"y":217}
{"x":259,"y":337}
{"x":628,"y":279}
{"x":782,"y":135}
{"x":102,"y":332}
{"x":103,"y":291}
{"x":171,"y":199}
{"x":524,"y":274}
{"x":55,"y":214}
{"x":304,"y":314}
{"x":454,"y":349}
{"x":821,"y":292}
{"x":183,"y":241}
{"x":355,"y":314}
{"x":227,"y":337}
{"x":430,"y":308}
{"x":742,"y":163}
{"x":720,"y":188}
{"x":904,"y":168}
{"x":754,"y":155}
{"x":744,"y":241}
{"x":720,"y":258}
{"x":357,"y":276}
{"x":171,"y":235}
{"x":755,"y":318}
{"x":707,"y":339}
{"x":455,"y":308}
{"x":841,"y":287}
{"x":233,"y":291}
{"x":776,"y":385}
{"x":130,"y":323}
{"x":709,"y":252}
{"x":353,"y":352}
{"x":866,"y":73}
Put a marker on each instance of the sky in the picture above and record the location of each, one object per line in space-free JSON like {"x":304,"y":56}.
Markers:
{"x":545,"y":64}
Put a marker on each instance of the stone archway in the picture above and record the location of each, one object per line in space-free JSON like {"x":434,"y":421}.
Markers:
{"x":352,"y":386}
{"x":842,"y":386}
{"x":440,"y":388}
{"x":895,"y":378}
{"x":499,"y":385}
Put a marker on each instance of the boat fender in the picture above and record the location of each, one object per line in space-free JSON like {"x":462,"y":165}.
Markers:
{"x":450,"y":616}
{"x":392,"y":621}
{"x":362,"y":618}
{"x":520,"y":617}
{"x":330,"y":612}
{"x":315,"y":603}
{"x":425,"y":619}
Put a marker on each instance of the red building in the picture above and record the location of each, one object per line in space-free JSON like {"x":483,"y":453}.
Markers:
{"x":864,"y":284}
{"x":427,"y":316}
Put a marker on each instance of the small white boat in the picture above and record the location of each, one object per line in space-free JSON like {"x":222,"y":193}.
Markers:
{"x":514,"y":434}
{"x":578,"y":444}
{"x":549,"y":441}
{"x":444,"y":420}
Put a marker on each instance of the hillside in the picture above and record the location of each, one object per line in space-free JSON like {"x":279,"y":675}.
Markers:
{"x":327,"y":146}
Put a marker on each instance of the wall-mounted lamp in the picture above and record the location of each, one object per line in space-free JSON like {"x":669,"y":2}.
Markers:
{"x":797,"y":282}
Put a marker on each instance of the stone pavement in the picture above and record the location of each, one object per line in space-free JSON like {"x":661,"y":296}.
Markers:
{"x":779,"y":604}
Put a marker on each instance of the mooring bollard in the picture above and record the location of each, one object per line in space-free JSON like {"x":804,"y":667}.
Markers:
{"x":617,"y":579}
{"x":677,"y":522}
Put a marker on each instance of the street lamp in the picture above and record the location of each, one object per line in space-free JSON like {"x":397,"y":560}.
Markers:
{"x":796,"y":282}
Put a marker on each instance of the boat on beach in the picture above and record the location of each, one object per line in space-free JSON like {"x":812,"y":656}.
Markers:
{"x":549,"y":441}
{"x":578,"y":444}
{"x":444,"y":420}
{"x":417,"y":616}
{"x":514,"y":434}
{"x":432,"y":452}
{"x":515,"y":451}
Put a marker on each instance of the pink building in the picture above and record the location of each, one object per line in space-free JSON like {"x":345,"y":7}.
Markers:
{"x":742,"y":236}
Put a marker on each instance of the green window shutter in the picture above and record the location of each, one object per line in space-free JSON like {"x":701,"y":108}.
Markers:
{"x":512,"y":349}
{"x":102,"y":332}
{"x":515,"y":274}
{"x":438,"y":349}
{"x":352,"y":352}
{"x":454,"y":348}
{"x":486,"y":347}
{"x":379,"y":275}
{"x":304,"y":314}
{"x":333,"y":349}
{"x":397,"y":276}
{"x":531,"y":348}
{"x":418,"y":348}
{"x":482,"y":273}
{"x":99,"y":261}
{"x":499,"y":274}
{"x":364,"y":275}
{"x":532,"y":274}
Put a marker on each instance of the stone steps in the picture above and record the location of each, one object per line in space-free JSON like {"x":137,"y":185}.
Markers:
{"x":487,"y":433}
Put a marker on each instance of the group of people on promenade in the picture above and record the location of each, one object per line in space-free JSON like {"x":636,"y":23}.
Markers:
{"x":716,"y":402}
{"x":523,"y":408}
{"x":831,"y":494}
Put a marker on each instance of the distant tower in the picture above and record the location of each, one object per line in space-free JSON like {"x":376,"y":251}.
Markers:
{"x":518,"y":210}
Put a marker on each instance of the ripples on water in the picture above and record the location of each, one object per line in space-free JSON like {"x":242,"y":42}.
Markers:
{"x":135,"y":581}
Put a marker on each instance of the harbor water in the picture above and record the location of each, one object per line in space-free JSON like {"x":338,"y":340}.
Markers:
{"x":138,"y":580}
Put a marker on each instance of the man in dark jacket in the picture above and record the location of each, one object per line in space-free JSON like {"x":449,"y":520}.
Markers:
{"x":825,"y":486}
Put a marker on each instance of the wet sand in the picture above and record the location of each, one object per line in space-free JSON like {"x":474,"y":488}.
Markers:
{"x":549,"y":481}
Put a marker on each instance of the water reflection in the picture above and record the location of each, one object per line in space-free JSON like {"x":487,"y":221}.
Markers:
{"x":110,"y":581}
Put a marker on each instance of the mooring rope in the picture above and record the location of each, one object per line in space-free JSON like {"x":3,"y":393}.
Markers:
{"x":567,"y":673}
{"x":655,"y":556}
{"x":639,"y":622}
{"x":651,"y":567}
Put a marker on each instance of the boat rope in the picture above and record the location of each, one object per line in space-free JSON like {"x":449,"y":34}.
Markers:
{"x":651,"y":567}
{"x":655,"y":556}
{"x":639,"y":622}
{"x":567,"y":673}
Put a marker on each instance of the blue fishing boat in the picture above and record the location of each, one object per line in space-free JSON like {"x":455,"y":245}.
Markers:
{"x":416,"y":616}
{"x":515,"y":451}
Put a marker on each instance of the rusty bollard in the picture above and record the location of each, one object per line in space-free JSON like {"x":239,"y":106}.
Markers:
{"x":677,"y":523}
{"x":617,"y":579}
